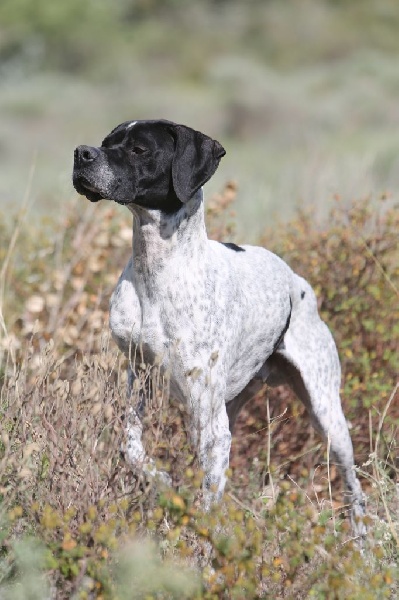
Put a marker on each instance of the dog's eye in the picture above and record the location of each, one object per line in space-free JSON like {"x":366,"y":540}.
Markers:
{"x":137,"y":150}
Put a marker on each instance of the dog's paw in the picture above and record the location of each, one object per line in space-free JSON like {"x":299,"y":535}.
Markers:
{"x":358,"y":520}
{"x":164,"y":478}
{"x":161,"y":477}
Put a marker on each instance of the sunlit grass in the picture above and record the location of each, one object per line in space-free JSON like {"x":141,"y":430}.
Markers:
{"x":76,"y":522}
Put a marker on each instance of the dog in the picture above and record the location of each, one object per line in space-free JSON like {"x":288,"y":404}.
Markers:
{"x":221,"y":319}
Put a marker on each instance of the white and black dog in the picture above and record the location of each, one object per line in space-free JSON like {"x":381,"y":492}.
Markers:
{"x":221,"y":319}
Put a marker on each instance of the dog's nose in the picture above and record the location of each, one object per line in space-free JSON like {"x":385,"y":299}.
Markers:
{"x":85,"y":154}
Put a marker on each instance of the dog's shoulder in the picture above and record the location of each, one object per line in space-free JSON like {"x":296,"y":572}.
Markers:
{"x":125,"y":310}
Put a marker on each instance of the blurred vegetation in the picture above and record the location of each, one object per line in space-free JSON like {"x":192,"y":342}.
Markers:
{"x":76,"y":36}
{"x":302,"y":93}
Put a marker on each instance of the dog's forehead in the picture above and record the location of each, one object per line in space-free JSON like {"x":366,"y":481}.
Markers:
{"x":119,"y":133}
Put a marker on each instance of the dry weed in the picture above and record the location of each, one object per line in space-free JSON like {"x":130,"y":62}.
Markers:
{"x":64,"y":482}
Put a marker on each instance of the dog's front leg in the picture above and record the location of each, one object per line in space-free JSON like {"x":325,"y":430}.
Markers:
{"x":210,"y":435}
{"x":134,"y":451}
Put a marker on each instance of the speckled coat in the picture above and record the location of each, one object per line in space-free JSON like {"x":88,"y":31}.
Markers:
{"x":219,"y":318}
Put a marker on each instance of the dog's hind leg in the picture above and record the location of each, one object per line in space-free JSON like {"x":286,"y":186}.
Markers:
{"x":307,"y":360}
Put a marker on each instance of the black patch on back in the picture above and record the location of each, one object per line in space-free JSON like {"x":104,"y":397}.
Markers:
{"x":233,"y":247}
{"x":281,"y":338}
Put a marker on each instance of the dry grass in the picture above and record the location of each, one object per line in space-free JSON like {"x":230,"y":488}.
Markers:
{"x":76,"y":523}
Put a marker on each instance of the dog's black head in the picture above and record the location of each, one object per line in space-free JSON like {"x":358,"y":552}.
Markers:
{"x":155,"y":164}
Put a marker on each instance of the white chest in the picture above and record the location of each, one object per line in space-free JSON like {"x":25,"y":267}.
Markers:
{"x":125,"y":315}
{"x":134,"y":321}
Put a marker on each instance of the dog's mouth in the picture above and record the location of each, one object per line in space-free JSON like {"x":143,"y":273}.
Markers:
{"x":84,"y":187}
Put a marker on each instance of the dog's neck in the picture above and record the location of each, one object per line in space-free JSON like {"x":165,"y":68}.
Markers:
{"x":159,"y":237}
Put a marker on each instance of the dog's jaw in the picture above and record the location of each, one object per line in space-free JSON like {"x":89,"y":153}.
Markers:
{"x":84,"y":188}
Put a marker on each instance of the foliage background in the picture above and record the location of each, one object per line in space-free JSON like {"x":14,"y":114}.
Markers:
{"x":303,"y":94}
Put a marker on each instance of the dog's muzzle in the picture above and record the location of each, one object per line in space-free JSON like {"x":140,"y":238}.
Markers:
{"x":84,"y":168}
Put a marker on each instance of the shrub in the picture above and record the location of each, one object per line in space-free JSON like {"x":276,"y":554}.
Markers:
{"x":353,"y":265}
{"x":105,"y":533}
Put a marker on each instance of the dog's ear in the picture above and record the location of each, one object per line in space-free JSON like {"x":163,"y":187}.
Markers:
{"x":196,"y":158}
